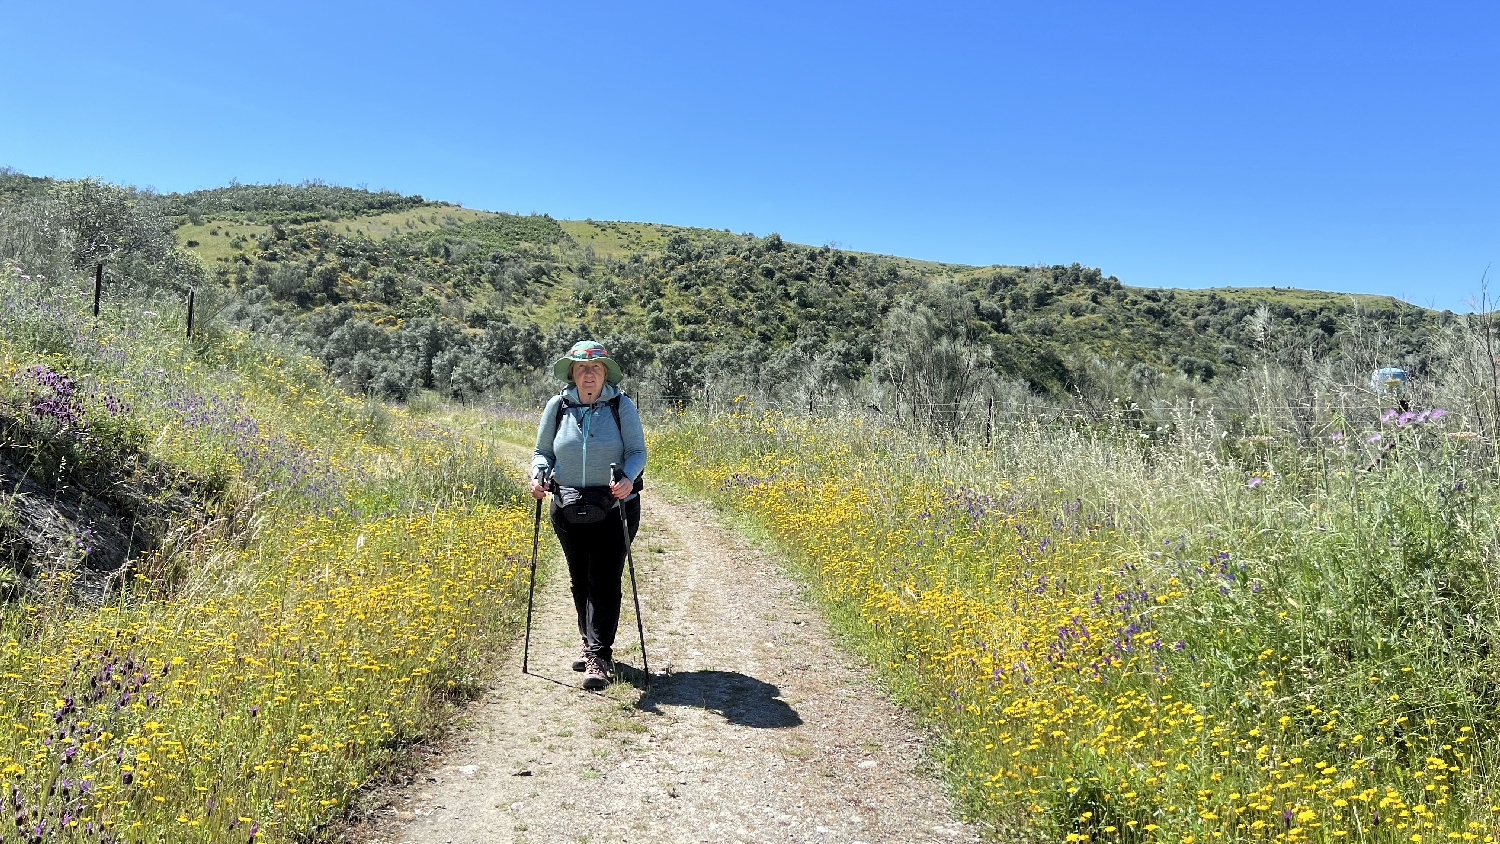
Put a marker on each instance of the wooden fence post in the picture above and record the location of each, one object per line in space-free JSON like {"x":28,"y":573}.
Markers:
{"x":190,"y":314}
{"x":989,"y":423}
{"x":98,"y":286}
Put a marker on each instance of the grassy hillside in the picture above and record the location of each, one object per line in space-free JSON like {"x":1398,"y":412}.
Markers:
{"x":220,"y":239}
{"x":467,"y":302}
{"x":398,"y":294}
{"x":621,"y":240}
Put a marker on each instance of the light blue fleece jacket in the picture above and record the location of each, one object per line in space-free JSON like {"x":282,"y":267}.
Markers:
{"x":580,"y":449}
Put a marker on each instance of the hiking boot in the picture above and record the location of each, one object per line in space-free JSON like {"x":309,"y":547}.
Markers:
{"x":596,"y":672}
{"x":582,"y":662}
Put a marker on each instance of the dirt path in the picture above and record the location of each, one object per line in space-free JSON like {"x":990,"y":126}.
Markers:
{"x":755,"y":728}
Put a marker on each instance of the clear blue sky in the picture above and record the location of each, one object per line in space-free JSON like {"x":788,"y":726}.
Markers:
{"x":1336,"y":146}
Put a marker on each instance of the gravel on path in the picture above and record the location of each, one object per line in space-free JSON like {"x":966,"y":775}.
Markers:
{"x":755,"y":727}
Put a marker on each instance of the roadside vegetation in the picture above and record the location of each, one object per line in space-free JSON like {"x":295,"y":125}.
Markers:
{"x":1190,"y":634}
{"x":321,"y":576}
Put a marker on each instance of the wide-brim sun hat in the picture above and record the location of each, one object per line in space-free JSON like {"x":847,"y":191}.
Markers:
{"x":587,"y":350}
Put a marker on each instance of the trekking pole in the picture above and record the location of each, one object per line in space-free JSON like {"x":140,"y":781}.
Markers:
{"x":616,"y":474}
{"x":536,"y":535}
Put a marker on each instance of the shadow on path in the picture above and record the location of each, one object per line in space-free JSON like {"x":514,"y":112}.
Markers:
{"x":741,"y":699}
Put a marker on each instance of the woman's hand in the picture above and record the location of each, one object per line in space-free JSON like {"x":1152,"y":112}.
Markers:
{"x":622,"y":488}
{"x":538,"y":491}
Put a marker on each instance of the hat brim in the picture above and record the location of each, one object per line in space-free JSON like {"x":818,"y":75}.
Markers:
{"x":564,"y":367}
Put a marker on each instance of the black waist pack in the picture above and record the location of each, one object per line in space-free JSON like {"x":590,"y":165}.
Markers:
{"x":584,"y":505}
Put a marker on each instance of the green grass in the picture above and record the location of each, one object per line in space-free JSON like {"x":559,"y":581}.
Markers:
{"x":620,"y":239}
{"x":216,"y":240}
{"x":1288,"y":296}
{"x":382,"y":226}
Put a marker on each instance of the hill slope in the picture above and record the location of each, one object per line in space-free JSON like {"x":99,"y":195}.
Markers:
{"x":398,"y":293}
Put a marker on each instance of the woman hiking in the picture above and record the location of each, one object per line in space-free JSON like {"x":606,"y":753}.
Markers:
{"x":583,"y":430}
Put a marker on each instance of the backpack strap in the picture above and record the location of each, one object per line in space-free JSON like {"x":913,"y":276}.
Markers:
{"x":614,"y":404}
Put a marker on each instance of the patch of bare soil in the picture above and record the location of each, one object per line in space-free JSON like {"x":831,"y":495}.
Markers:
{"x":755,"y":726}
{"x":93,"y":520}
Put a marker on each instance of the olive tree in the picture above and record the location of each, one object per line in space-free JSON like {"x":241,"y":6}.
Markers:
{"x":110,"y":225}
{"x":934,"y":359}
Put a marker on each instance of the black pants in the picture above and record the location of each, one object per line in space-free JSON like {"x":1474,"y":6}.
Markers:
{"x":596,"y":560}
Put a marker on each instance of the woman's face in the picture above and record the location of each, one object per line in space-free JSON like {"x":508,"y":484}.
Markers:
{"x":589,"y":376}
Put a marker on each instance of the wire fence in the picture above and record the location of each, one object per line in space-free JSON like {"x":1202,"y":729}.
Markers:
{"x":1345,"y":410}
{"x":991,"y":410}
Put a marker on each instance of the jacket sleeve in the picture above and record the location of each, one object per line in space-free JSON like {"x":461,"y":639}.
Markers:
{"x":633,"y":436}
{"x":543,"y":457}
